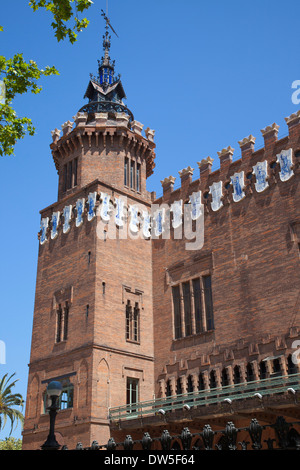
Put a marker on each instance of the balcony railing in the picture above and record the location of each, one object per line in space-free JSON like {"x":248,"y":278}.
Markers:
{"x":241,"y":391}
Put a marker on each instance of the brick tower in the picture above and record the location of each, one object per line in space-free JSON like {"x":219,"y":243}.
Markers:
{"x":92,"y":326}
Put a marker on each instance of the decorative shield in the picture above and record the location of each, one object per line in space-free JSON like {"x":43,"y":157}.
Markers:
{"x":119,"y":211}
{"x":260,"y":170}
{"x":176,"y":208}
{"x":216,"y":192}
{"x":105,"y":198}
{"x":285,"y":160}
{"x":196,"y":206}
{"x":44,"y":227}
{"x":159,"y":218}
{"x":80,"y":211}
{"x":54,"y":222}
{"x":237,"y":181}
{"x":67,"y":213}
{"x":146,"y":224}
{"x":92,"y":204}
{"x":134,"y":220}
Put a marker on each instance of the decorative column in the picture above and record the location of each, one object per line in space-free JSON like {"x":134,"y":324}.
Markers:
{"x":182,"y":310}
{"x":229,"y":375}
{"x":192,"y":308}
{"x":195,"y":379}
{"x":255,"y":370}
{"x":283,"y":365}
{"x":162,"y":388}
{"x":183,"y":380}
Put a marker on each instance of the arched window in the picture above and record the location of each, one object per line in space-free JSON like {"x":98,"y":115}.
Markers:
{"x":225,"y":380}
{"x":201,"y":382}
{"x":212,"y":379}
{"x":190,"y":387}
{"x":277,"y":372}
{"x":178,"y":387}
{"x":262,"y":370}
{"x":291,"y":366}
{"x":236,"y":375}
{"x":249,"y":372}
{"x":168,"y":389}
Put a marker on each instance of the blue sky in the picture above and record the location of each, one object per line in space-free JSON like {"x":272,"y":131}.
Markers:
{"x":204,"y":75}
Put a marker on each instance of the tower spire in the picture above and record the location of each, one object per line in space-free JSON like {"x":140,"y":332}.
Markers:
{"x":105,"y":92}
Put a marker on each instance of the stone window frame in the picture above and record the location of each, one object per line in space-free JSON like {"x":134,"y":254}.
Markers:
{"x":195,"y":330}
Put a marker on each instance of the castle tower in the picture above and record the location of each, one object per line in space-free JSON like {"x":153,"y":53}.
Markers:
{"x":92,"y":326}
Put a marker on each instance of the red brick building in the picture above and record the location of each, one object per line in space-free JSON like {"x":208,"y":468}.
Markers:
{"x":191,"y":320}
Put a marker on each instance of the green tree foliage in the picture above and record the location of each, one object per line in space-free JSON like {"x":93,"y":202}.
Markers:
{"x":10,"y":443}
{"x":8,"y":403}
{"x":65,"y":14}
{"x":18,"y":76}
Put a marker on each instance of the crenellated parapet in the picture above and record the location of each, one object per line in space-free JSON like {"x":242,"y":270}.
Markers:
{"x":106,"y":132}
{"x":256,"y":170}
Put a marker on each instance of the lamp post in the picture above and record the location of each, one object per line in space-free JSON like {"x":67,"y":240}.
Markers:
{"x":53,"y":392}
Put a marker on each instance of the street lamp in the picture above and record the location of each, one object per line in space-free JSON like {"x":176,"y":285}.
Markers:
{"x":53,"y":392}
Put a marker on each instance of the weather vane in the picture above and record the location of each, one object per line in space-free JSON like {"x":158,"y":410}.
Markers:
{"x":107,"y":21}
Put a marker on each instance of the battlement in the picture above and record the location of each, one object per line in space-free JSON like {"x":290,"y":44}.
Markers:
{"x":256,"y":170}
{"x":104,"y":130}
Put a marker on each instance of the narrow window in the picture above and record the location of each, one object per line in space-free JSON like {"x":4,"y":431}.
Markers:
{"x":75,"y":171}
{"x":136,"y":314}
{"x":103,"y":287}
{"x":187,"y":308}
{"x":212,"y":379}
{"x":262,"y":370}
{"x":69,"y":178}
{"x":66,"y":321}
{"x":197,"y":305}
{"x":87,"y":311}
{"x":168,"y":389}
{"x":178,"y":387}
{"x":126,"y":171}
{"x":276,"y":368}
{"x":89,"y":257}
{"x":236,"y":375}
{"x":132,"y":174}
{"x":208,"y":302}
{"x":132,"y":393}
{"x":292,"y":368}
{"x":177,"y":313}
{"x":138,"y":177}
{"x":190,"y":387}
{"x":128,"y":320}
{"x":225,"y":381}
{"x":249,"y":372}
{"x":59,"y":324}
{"x":201,"y":382}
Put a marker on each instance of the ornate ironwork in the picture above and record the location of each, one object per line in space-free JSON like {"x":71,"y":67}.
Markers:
{"x":282,"y":428}
{"x":111,"y":445}
{"x":231,"y":435}
{"x":106,"y":107}
{"x":287,"y":437}
{"x":146,"y":441}
{"x":128,"y":443}
{"x":208,"y":437}
{"x":255,"y":431}
{"x":186,"y":439}
{"x":166,"y":440}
